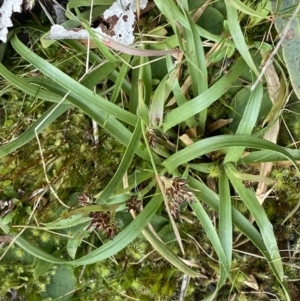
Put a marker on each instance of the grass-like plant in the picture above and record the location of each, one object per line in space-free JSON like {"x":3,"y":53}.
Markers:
{"x":179,"y":140}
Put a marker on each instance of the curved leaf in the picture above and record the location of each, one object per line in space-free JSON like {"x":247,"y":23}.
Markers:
{"x":260,"y":217}
{"x":220,"y":142}
{"x":108,"y":249}
{"x":164,"y":251}
{"x":85,"y":95}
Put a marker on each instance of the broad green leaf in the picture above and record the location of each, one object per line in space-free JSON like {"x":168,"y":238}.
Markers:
{"x":62,"y":285}
{"x":283,"y":11}
{"x":254,"y":178}
{"x":146,"y":77}
{"x":7,"y":219}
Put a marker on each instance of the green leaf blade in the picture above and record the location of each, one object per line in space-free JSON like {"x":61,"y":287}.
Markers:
{"x":261,"y":219}
{"x":205,"y":99}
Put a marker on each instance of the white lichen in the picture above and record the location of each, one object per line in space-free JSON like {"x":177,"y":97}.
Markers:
{"x":121,"y":18}
{"x":6,"y":10}
{"x":58,"y":32}
{"x":125,"y":11}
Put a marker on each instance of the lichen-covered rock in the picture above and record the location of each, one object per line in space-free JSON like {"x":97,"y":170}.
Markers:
{"x":7,"y":8}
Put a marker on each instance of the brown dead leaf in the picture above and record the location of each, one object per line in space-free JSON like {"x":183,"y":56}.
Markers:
{"x":251,"y":282}
{"x":218,"y":124}
{"x":186,"y":139}
{"x":192,"y":133}
{"x":277,"y":95}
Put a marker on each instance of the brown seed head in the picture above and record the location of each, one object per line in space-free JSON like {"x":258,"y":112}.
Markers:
{"x":85,"y":199}
{"x":151,"y":136}
{"x":133,"y":204}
